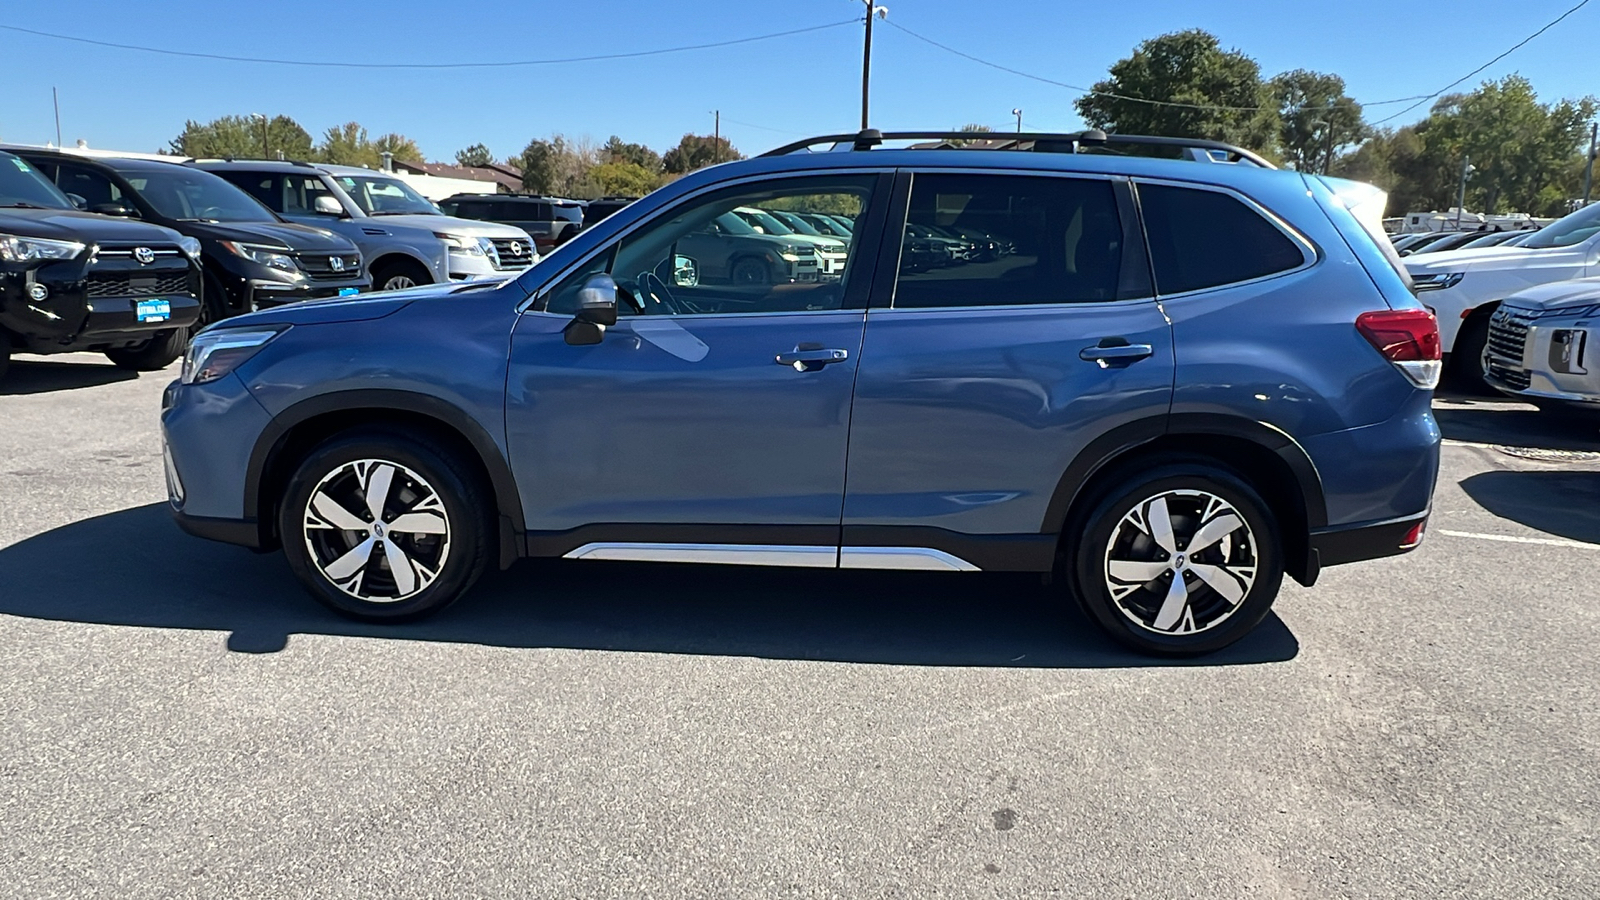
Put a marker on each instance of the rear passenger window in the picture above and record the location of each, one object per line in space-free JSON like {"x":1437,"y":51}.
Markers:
{"x":1001,"y":240}
{"x":1201,"y":239}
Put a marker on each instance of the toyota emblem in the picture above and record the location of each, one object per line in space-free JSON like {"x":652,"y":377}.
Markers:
{"x":144,"y":255}
{"x":515,"y":248}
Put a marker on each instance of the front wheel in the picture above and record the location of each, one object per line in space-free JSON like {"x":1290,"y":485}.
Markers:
{"x":397,"y":276}
{"x":1466,"y":358}
{"x":386,"y":525}
{"x":1182,"y":559}
{"x":153,"y":355}
{"x":751,"y":271}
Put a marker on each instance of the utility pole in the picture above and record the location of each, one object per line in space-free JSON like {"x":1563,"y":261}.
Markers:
{"x":1327,"y":159}
{"x":56,"y":99}
{"x":716,"y":137}
{"x":264,"y":151}
{"x":874,"y":11}
{"x":1589,"y":165}
{"x":1461,"y":195}
{"x":1018,"y":113}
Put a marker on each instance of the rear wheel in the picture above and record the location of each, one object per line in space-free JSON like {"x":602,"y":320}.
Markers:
{"x":751,"y":271}
{"x":5,"y":354}
{"x":399,"y":275}
{"x":386,"y":525}
{"x":155,"y":354}
{"x":1180,"y":559}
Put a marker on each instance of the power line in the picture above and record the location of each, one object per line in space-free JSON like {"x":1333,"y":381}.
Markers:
{"x":767,"y":127}
{"x":1514,"y":48}
{"x":462,"y":65}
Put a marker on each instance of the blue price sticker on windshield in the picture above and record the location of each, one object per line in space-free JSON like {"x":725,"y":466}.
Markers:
{"x":346,"y":292}
{"x":153,"y":310}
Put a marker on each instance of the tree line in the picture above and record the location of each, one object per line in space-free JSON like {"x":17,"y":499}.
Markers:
{"x":1526,"y":156}
{"x":250,"y":137}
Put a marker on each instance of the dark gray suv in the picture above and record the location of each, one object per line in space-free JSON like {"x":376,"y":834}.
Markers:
{"x":1186,"y":379}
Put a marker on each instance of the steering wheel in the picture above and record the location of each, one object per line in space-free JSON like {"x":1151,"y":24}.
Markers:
{"x":653,"y":291}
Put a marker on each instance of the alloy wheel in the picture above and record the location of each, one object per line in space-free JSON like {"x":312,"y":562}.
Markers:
{"x":1180,"y":562}
{"x":377,"y":531}
{"x":398,"y":283}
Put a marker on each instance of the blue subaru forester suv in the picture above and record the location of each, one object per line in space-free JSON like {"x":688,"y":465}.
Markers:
{"x":1170,"y":381}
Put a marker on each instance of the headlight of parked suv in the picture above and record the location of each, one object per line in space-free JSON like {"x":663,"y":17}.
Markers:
{"x":213,"y":354}
{"x":460,"y":243}
{"x":190,"y":246}
{"x":27,"y":249}
{"x":271,"y":257}
{"x":1436,"y":281}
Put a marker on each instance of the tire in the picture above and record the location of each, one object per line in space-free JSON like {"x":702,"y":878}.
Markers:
{"x":1144,"y":613}
{"x":153,"y":355}
{"x":750,"y":270}
{"x":5,"y":354}
{"x":1466,"y":358}
{"x":352,"y":569}
{"x":399,"y":275}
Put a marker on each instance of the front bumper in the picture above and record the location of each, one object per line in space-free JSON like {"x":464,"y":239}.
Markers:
{"x":467,"y":267}
{"x":1555,"y":359}
{"x":96,"y":304}
{"x":266,"y":294}
{"x":209,"y":432}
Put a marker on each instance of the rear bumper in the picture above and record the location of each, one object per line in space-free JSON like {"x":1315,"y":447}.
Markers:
{"x":1369,"y":540}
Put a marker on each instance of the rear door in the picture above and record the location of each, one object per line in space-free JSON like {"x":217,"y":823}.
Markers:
{"x":982,"y":380}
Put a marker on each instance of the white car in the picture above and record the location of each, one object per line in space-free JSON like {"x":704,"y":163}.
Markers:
{"x":1543,"y":345}
{"x":1464,"y":287}
{"x":477,"y":249}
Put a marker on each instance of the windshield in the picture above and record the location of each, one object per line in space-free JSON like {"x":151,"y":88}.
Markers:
{"x":765,"y":221}
{"x":798,"y":224}
{"x":732,"y":224}
{"x":848,"y":225}
{"x":1574,"y":229}
{"x":378,"y":196}
{"x":190,"y":195}
{"x":22,"y":185}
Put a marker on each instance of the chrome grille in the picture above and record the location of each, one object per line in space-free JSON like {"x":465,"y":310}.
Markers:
{"x":512,"y":253}
{"x":1508,"y":334}
{"x":136,"y":284}
{"x":1513,"y":379}
{"x":322,"y":265}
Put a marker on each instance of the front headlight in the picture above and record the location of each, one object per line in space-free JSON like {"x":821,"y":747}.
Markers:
{"x":190,"y":247}
{"x":460,"y":243}
{"x":1436,"y":281}
{"x":27,"y":249}
{"x":213,"y":354}
{"x":271,"y":257}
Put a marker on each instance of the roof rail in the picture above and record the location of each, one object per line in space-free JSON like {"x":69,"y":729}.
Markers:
{"x":232,"y":159}
{"x":1196,"y":149}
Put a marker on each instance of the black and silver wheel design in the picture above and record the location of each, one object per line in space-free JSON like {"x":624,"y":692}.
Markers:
{"x":1181,"y":559}
{"x":1180,"y":562}
{"x":387,"y":525}
{"x":397,"y":275}
{"x":751,"y":271}
{"x":377,"y":531}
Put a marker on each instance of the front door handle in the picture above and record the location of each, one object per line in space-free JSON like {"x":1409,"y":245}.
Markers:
{"x":1115,"y":352}
{"x":810,"y":357}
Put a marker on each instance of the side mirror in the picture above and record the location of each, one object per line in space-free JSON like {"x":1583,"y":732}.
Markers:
{"x":325,"y":205}
{"x":113,"y":209}
{"x":78,"y":200}
{"x":685,"y":272}
{"x":597,"y":311}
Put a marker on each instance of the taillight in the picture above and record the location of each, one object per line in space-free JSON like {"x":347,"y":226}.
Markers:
{"x":1413,"y":537}
{"x":1409,"y":338}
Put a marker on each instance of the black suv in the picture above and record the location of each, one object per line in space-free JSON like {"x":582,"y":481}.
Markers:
{"x":72,"y":280}
{"x":252,"y":258}
{"x":597,"y":210}
{"x":550,"y":220}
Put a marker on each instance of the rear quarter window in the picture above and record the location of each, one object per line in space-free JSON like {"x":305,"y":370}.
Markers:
{"x":1204,"y":239}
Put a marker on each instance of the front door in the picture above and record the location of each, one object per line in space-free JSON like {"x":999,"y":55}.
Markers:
{"x":712,"y":423}
{"x":1018,"y":328}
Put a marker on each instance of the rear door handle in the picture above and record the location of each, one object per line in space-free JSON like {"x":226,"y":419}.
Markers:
{"x":810,"y":357}
{"x":1108,"y":354}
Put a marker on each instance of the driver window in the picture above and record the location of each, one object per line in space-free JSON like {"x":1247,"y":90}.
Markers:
{"x":729,"y":253}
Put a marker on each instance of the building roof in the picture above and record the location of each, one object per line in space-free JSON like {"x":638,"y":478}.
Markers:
{"x":505,"y":176}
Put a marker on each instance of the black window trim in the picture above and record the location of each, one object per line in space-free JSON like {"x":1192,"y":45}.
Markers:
{"x":1311,"y":254}
{"x":1136,"y":267}
{"x":882,"y":193}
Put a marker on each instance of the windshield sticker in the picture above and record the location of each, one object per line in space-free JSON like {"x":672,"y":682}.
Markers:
{"x":671,"y":337}
{"x":20,"y":164}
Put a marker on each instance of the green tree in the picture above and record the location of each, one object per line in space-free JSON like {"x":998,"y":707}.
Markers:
{"x":971,"y":129}
{"x":399,"y":147}
{"x":243,"y":136}
{"x":539,"y":166}
{"x":625,"y":178}
{"x":476,"y":155}
{"x":1317,"y":118}
{"x":347,"y":145}
{"x":1522,"y":150}
{"x":617,"y":150}
{"x":1226,"y":97}
{"x":696,"y":151}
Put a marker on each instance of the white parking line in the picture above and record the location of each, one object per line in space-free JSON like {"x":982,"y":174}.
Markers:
{"x":1509,"y":539}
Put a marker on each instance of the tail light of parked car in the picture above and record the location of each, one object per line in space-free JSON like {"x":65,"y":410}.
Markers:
{"x":1409,"y":338}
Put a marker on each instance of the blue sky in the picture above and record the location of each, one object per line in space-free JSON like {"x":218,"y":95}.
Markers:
{"x":768,"y":91}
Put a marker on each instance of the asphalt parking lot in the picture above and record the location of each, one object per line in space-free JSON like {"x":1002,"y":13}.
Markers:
{"x":180,"y":720}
